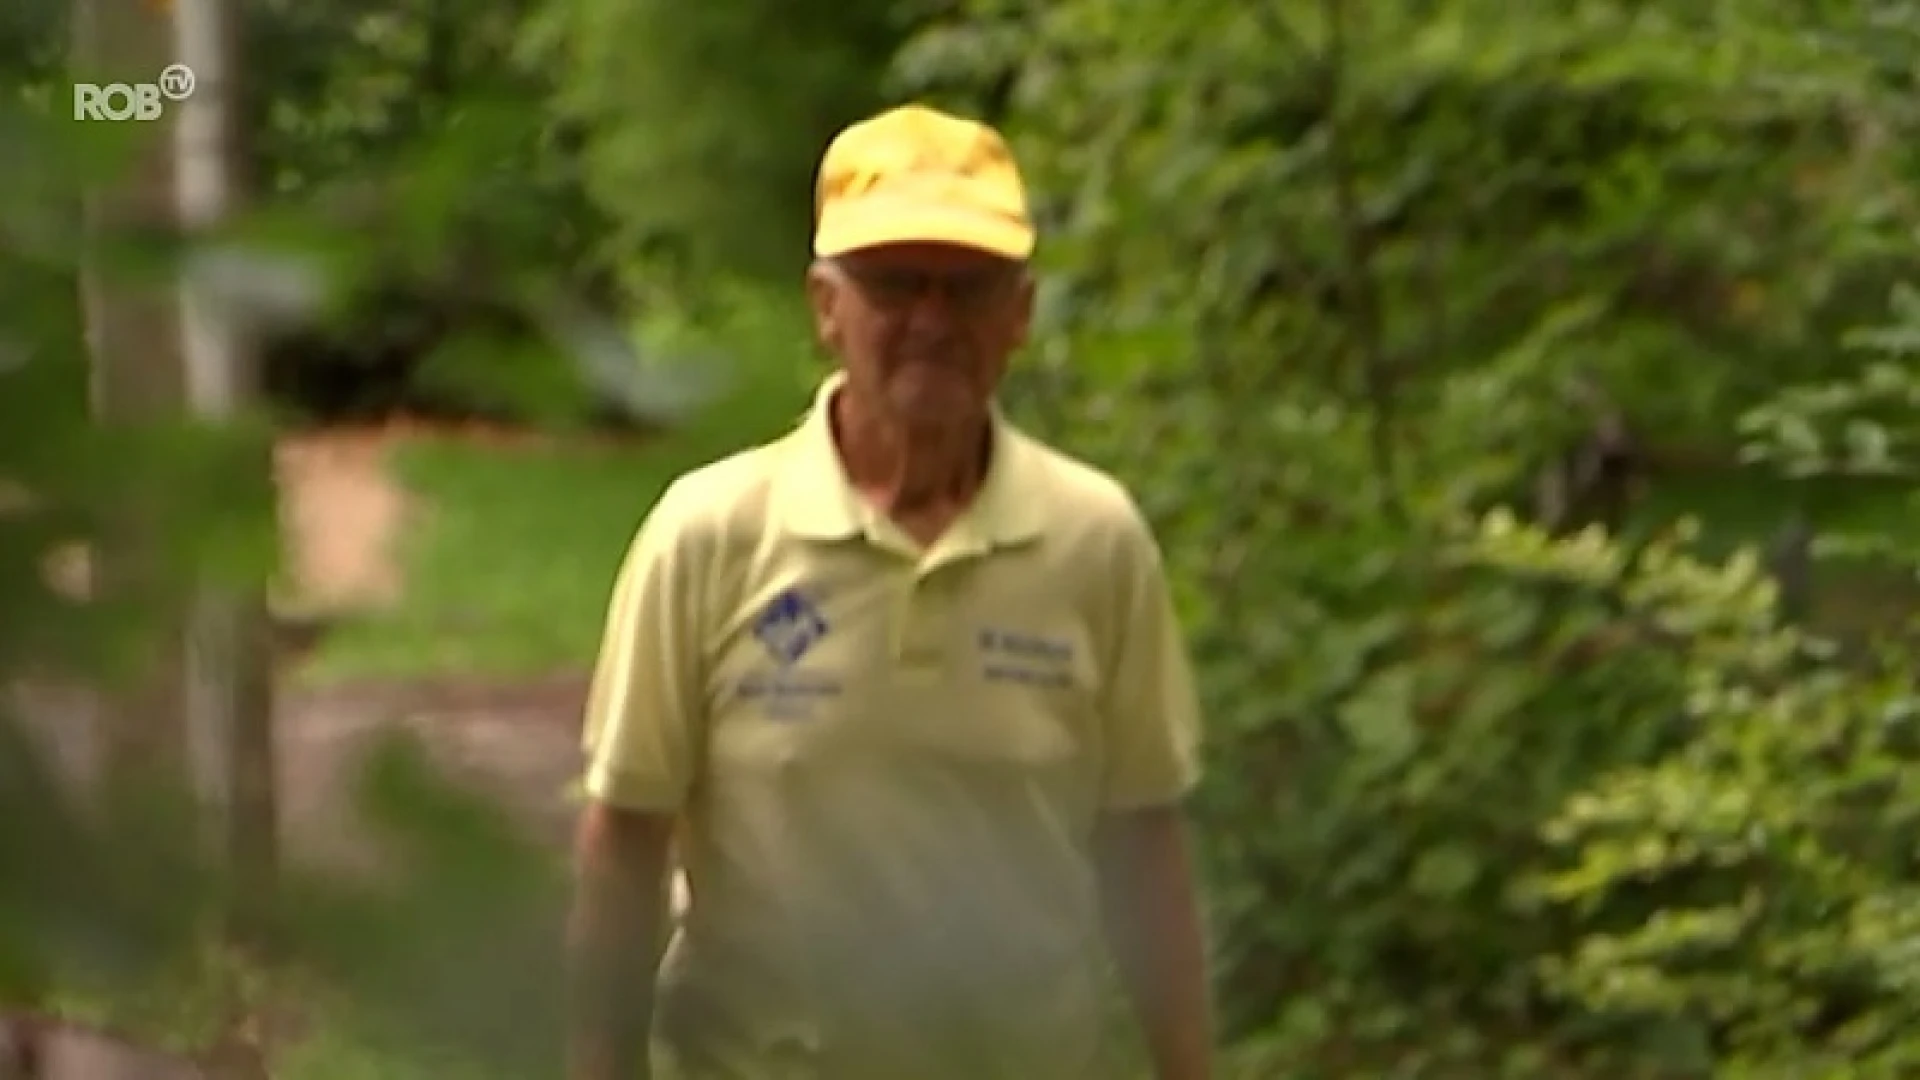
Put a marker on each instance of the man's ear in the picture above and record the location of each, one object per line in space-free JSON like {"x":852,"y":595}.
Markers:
{"x":822,"y":297}
{"x":1024,"y":302}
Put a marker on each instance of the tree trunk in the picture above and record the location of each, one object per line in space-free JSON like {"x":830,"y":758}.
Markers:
{"x":133,"y":338}
{"x":230,"y":675}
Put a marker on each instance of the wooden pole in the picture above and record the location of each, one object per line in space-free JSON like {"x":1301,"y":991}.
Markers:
{"x":230,"y":678}
{"x":133,"y":340}
{"x":136,"y":379}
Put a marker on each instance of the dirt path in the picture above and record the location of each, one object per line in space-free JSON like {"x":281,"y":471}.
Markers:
{"x":519,"y":743}
{"x":340,"y":511}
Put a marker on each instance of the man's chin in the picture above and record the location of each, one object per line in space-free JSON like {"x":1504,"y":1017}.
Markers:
{"x":934,"y":403}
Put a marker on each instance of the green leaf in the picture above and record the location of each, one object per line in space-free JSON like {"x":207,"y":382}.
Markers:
{"x":1380,"y":717}
{"x":1445,"y":871}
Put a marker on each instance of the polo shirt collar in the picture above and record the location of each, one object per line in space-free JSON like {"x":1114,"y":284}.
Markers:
{"x":817,"y":500}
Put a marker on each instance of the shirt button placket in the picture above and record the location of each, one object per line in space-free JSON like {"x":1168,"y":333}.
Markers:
{"x":923,"y":627}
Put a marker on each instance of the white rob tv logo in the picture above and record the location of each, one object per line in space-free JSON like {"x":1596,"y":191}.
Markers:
{"x":132,"y":101}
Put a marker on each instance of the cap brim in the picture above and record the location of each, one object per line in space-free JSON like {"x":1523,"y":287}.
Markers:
{"x":880,"y":223}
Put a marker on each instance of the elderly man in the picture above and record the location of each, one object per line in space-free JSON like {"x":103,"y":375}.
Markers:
{"x":904,"y":689}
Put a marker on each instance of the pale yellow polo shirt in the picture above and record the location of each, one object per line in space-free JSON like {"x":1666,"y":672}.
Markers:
{"x":888,"y":762}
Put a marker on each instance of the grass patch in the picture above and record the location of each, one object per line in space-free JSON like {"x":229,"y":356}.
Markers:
{"x":507,"y":566}
{"x":507,"y":561}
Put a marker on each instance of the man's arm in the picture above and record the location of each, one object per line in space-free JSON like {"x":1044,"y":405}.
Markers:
{"x":1154,"y":928}
{"x":644,"y":739}
{"x":621,"y":859}
{"x":1150,"y":902}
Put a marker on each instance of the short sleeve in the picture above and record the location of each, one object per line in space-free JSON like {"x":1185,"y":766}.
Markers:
{"x":644,"y":725}
{"x":1151,"y":710}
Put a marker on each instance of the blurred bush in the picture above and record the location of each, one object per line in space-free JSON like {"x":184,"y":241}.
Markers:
{"x":1502,"y":784}
{"x":115,"y":912}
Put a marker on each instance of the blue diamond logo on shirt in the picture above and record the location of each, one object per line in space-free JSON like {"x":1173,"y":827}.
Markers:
{"x":789,"y":626}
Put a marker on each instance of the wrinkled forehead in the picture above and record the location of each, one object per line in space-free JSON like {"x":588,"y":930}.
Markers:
{"x":925,"y":258}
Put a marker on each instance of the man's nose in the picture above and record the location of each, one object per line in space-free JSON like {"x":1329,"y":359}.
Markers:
{"x":932,"y":304}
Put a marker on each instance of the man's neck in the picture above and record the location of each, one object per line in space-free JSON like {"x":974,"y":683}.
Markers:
{"x":905,"y":471}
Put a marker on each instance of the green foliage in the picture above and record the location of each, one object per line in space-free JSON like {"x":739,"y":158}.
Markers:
{"x":1862,"y":428}
{"x":449,"y":958}
{"x":1859,"y":427}
{"x":111,"y":903}
{"x":700,"y":126}
{"x":1326,"y":283}
{"x":454,"y":148}
{"x":1774,"y":841}
{"x":114,"y":908}
{"x":1391,"y":197}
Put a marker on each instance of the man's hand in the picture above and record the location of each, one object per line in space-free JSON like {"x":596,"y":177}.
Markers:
{"x":1153,"y":925}
{"x":613,"y":940}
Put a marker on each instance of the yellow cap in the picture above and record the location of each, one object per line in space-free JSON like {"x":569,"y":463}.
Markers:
{"x":917,"y":175}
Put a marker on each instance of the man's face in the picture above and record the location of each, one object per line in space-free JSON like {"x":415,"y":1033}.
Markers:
{"x":923,"y":330}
